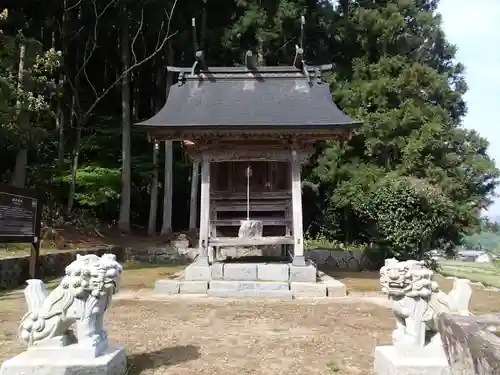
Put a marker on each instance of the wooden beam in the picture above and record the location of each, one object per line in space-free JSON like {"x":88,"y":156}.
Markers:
{"x":168,"y":189}
{"x":204,"y":211}
{"x":250,"y":241}
{"x":298,"y":240}
{"x":193,"y":204}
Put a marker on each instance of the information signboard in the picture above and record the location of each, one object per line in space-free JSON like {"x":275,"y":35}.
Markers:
{"x":20,"y":215}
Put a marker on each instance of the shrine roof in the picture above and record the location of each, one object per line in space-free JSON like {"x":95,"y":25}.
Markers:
{"x":242,"y":98}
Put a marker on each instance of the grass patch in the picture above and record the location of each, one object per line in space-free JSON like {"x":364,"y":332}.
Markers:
{"x":484,"y":273}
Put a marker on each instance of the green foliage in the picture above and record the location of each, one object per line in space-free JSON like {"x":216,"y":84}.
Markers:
{"x":409,"y":214}
{"x":410,"y":180}
{"x":96,"y":186}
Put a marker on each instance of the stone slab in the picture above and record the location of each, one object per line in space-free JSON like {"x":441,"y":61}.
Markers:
{"x":388,"y":362}
{"x":112,"y":362}
{"x":240,"y":271}
{"x":193,"y":287}
{"x":216,"y":270}
{"x":334,"y":287}
{"x":166,"y":286}
{"x":301,"y":289}
{"x":197,"y":272}
{"x":249,"y":285}
{"x":273,"y":271}
{"x":279,"y":294}
{"x":305,"y":273}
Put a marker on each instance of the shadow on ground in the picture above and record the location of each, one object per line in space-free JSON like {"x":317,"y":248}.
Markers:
{"x":169,"y":356}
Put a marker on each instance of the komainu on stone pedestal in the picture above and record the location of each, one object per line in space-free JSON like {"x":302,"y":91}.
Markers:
{"x":80,"y":300}
{"x":417,"y":302}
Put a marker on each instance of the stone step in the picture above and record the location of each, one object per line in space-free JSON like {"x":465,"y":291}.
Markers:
{"x":248,"y":285}
{"x":231,"y":293}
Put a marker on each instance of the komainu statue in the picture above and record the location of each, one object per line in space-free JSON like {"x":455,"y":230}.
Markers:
{"x":81,"y":298}
{"x":417,"y":301}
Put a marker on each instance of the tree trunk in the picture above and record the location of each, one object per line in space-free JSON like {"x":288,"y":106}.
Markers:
{"x":168,"y":185}
{"x":193,"y":206}
{"x":124,"y":220}
{"x":60,"y":120}
{"x":74,"y":168}
{"x":153,"y":206}
{"x":19,"y":178}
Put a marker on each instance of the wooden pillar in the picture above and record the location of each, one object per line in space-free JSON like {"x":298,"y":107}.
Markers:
{"x":193,"y":205}
{"x":204,"y":210}
{"x":166,"y":228}
{"x":298,"y":240}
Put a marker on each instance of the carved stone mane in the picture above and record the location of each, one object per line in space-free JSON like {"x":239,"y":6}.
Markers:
{"x":82,"y":297}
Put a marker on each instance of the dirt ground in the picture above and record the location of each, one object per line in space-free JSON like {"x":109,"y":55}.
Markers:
{"x":69,"y":238}
{"x":200,"y":335}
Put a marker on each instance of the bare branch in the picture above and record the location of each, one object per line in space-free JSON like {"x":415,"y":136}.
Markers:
{"x":73,"y":6}
{"x":160,"y":44}
{"x":136,"y":35}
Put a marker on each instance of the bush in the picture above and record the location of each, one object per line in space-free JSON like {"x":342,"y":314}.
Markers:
{"x":409,"y":214}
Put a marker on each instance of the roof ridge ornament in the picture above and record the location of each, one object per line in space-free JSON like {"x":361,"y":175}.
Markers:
{"x":298,"y":61}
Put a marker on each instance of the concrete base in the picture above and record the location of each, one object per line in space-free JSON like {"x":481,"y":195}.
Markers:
{"x":249,"y":285}
{"x":166,"y":286}
{"x":198,"y":272}
{"x":112,"y":362}
{"x":334,"y":287}
{"x":193,"y":287}
{"x":273,"y":271}
{"x":389,"y":362}
{"x":277,"y":279}
{"x":306,"y":274}
{"x":228,"y":293}
{"x":240,"y":271}
{"x":308,"y":289}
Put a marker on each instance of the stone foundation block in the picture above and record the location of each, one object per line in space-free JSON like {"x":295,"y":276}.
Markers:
{"x":305,"y":274}
{"x":193,"y":287}
{"x":240,"y":271}
{"x":335,"y":288}
{"x":166,"y":286}
{"x":112,"y":362}
{"x":248,"y":285}
{"x":273,"y":272}
{"x":300,"y":289}
{"x":197,"y":272}
{"x":279,"y":294}
{"x":388,"y":362}
{"x":216,"y":270}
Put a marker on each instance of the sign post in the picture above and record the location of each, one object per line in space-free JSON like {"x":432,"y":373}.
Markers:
{"x":20,"y":220}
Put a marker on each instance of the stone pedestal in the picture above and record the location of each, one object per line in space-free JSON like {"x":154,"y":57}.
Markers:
{"x":388,"y":361}
{"x":471,"y":343}
{"x":60,"y":362}
{"x":274,"y":279}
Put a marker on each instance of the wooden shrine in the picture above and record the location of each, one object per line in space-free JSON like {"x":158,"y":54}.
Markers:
{"x":266,"y":118}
